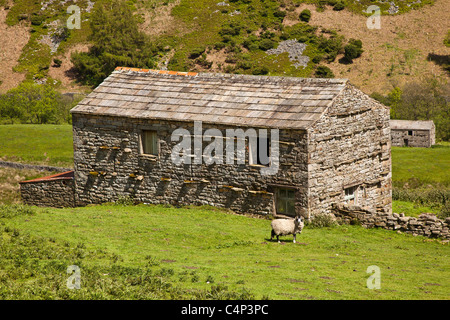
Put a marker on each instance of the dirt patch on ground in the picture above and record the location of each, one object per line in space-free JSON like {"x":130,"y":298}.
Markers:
{"x":394,"y":54}
{"x":160,"y":21}
{"x":65,"y":72}
{"x":13,"y":39}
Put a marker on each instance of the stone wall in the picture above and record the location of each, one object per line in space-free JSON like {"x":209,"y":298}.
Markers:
{"x":53,"y":191}
{"x":109,"y":165}
{"x":427,"y":225}
{"x":419,"y":138}
{"x":350,"y":148}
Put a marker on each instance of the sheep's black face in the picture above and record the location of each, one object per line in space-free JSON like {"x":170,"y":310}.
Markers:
{"x":298,"y":220}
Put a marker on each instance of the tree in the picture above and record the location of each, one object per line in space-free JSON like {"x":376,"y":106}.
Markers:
{"x":394,"y":97}
{"x":9,"y":108}
{"x":31,"y":102}
{"x":116,"y":40}
{"x":426,"y":100}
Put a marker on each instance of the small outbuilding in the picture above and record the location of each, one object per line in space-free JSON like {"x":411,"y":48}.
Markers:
{"x":409,"y":133}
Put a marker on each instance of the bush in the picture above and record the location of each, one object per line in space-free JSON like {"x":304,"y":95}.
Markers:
{"x":279,"y":14}
{"x":57,"y":62}
{"x":262,"y":70}
{"x":196,"y":52}
{"x":244,"y":65}
{"x":324,"y":72}
{"x":447,"y":39}
{"x":266,"y":44}
{"x":305,"y":15}
{"x":353,"y":50}
{"x":251,"y":43}
{"x":330,"y":47}
{"x":339,"y":6}
{"x":36,"y":20}
{"x":322,"y":221}
{"x":445,"y":211}
{"x":219,"y":45}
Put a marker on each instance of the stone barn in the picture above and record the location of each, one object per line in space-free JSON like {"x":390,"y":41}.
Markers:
{"x":318,"y":142}
{"x":409,"y":133}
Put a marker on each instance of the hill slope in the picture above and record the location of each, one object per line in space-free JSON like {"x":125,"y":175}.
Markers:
{"x":408,"y":45}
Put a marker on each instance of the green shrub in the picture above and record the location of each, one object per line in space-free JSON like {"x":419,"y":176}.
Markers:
{"x":330,"y":47}
{"x":279,"y":14}
{"x":445,"y":211}
{"x":31,"y":102}
{"x":322,"y":221}
{"x":266,"y":44}
{"x":246,"y":65}
{"x":305,"y":15}
{"x":197,"y":52}
{"x":353,"y":50}
{"x":339,"y":6}
{"x":219,"y":45}
{"x":324,"y":72}
{"x":57,"y":62}
{"x":260,"y":70}
{"x":36,"y":20}
{"x":317,"y":58}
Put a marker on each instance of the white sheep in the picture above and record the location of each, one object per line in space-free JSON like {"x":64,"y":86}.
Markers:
{"x":283,"y":227}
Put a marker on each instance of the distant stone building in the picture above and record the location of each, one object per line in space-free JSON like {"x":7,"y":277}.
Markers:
{"x":333,"y":143}
{"x":408,"y":133}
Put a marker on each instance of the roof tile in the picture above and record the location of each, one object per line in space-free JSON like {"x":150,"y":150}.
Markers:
{"x":239,"y":100}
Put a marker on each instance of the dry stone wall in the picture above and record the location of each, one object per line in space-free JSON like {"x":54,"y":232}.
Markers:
{"x":427,"y":225}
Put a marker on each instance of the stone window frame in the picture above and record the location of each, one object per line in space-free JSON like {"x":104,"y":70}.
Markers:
{"x":351,"y":192}
{"x":277,"y":199}
{"x":141,"y":144}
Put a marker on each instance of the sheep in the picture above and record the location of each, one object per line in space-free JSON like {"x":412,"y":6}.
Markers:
{"x":283,"y":227}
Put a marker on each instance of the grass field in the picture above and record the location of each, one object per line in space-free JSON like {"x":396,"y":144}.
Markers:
{"x":155,"y":252}
{"x":421,"y":166}
{"x":160,"y":252}
{"x":37,"y":144}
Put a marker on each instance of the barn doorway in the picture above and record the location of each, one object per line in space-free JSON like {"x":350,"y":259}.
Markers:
{"x":405,"y":142}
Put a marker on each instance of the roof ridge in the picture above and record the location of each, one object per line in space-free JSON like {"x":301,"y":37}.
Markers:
{"x":212,"y":75}
{"x":155,"y":71}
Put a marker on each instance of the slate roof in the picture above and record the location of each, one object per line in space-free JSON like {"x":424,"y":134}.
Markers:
{"x":411,"y":125}
{"x":238,"y":100}
{"x":68,"y":175}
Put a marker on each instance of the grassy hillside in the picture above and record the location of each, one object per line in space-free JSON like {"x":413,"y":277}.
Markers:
{"x":234,"y":36}
{"x":162,"y":252}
